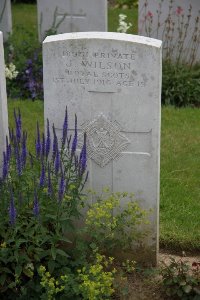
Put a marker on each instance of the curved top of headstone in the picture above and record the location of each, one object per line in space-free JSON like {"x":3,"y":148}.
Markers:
{"x":104,"y":36}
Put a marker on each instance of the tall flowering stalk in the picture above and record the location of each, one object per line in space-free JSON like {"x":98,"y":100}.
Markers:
{"x":42,"y":176}
{"x":37,"y":142}
{"x":65,"y":128}
{"x":48,"y":141}
{"x":55,"y":144}
{"x":61,"y":187}
{"x":74,"y":143}
{"x":46,"y":175}
{"x":83,"y":158}
{"x":36,"y":209}
{"x":12,"y":210}
{"x":5,"y":166}
{"x":50,"y":189}
{"x":18,"y":125}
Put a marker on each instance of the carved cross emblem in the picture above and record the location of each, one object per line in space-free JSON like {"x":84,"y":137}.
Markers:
{"x":104,"y":140}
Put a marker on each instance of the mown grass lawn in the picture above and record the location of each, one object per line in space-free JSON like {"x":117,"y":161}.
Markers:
{"x":180,"y":148}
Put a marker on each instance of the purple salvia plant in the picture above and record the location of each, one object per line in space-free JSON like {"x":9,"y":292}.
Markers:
{"x":42,"y":176}
{"x":24,"y":149}
{"x":5,"y":166}
{"x":65,"y":128}
{"x":36,"y":209}
{"x":18,"y":125}
{"x":48,"y":140}
{"x":57,"y":162}
{"x":18,"y":161}
{"x":86,"y":178}
{"x":55,"y":144}
{"x":12,"y":210}
{"x":83,"y":157}
{"x":74,"y":143}
{"x":49,"y":181}
{"x":37,"y":143}
{"x":8,"y":150}
{"x":61,"y":190}
{"x":43,"y":146}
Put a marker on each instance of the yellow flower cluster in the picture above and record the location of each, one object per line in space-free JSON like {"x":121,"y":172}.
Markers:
{"x":101,"y":213}
{"x":113,"y":225}
{"x":96,"y":284}
{"x":50,"y":284}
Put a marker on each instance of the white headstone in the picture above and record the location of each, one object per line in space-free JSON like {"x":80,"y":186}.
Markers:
{"x":3,"y":103}
{"x":177,"y":23}
{"x":71,"y":16}
{"x":113,"y":82}
{"x":5,"y":18}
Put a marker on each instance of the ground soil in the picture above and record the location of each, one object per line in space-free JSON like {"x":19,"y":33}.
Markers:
{"x":146,"y":285}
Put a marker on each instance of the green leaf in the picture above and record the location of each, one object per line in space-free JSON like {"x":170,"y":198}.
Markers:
{"x":187,"y":289}
{"x":62,"y":253}
{"x":20,"y":241}
{"x":182,"y":283}
{"x":53,"y":252}
{"x":179,"y":293}
{"x":51,"y":265}
{"x":6,"y":270}
{"x":2,"y":279}
{"x":64,"y":239}
{"x":18,"y":270}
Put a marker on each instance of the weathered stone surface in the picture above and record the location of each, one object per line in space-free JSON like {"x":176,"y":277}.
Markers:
{"x":3,"y":104}
{"x":73,"y":16}
{"x":113,"y":83}
{"x":5,"y":18}
{"x":177,"y":23}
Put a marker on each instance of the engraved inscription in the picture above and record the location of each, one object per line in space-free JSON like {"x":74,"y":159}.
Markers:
{"x":101,"y":69}
{"x":104,"y":140}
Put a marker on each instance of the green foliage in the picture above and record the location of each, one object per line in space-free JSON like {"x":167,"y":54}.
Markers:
{"x":180,"y":280}
{"x":40,"y":198}
{"x":95,"y":283}
{"x":180,"y":85}
{"x":112,"y":227}
{"x":129,"y":3}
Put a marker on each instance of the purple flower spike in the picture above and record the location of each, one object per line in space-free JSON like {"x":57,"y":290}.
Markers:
{"x":83,"y":157}
{"x":57,"y":162}
{"x":42,"y":176}
{"x":50,"y":190}
{"x":37,"y":144}
{"x":18,"y":125}
{"x":36,"y":209}
{"x":43,"y":146}
{"x":65,"y":128}
{"x":74,"y":143}
{"x":55,"y":144}
{"x":18,"y":160}
{"x":8,"y":150}
{"x":12,"y":210}
{"x":5,"y":166}
{"x":61,"y":188}
{"x":48,"y":140}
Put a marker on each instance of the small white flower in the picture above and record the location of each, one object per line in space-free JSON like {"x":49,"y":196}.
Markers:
{"x":10,"y":71}
{"x":123,"y":26}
